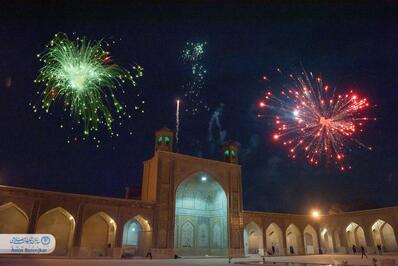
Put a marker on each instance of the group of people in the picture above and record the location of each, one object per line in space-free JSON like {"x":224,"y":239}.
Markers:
{"x":363,"y":251}
{"x":291,"y":249}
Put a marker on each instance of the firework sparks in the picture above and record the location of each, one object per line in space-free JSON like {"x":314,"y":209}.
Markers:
{"x":81,"y":74}
{"x":177,"y":121}
{"x":315,"y":121}
{"x":192,"y":55}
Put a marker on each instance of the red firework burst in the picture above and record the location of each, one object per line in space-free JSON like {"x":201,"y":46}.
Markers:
{"x":315,"y":121}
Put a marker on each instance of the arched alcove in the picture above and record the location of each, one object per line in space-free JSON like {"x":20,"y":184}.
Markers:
{"x":355,"y":236}
{"x":98,"y":233}
{"x":253,"y":239}
{"x":337,"y":241}
{"x":61,"y":225}
{"x":137,"y":237}
{"x":310,"y":240}
{"x":383,"y":235}
{"x":13,"y":220}
{"x":201,"y":217}
{"x":293,"y":240}
{"x":327,"y":241}
{"x":274,"y":238}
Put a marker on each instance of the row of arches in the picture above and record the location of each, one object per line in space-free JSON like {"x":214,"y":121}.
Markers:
{"x":98,"y":231}
{"x":293,"y":241}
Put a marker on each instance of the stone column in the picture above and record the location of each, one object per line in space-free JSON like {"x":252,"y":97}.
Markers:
{"x":75,"y":251}
{"x":318,"y":240}
{"x":285,"y":247}
{"x":368,"y":238}
{"x":34,"y":217}
{"x":344,"y":241}
{"x":301,"y":249}
{"x":335,"y":247}
{"x":117,"y":248}
{"x":264,"y":238}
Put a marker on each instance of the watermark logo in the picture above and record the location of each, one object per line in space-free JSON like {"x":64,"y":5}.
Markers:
{"x":45,"y":240}
{"x":27,"y":243}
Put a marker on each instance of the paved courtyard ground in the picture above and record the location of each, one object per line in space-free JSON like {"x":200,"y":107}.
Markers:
{"x":285,"y":260}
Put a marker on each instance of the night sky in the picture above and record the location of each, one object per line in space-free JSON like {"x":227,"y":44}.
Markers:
{"x":352,"y":46}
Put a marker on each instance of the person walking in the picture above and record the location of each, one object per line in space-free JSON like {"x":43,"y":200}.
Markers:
{"x":363,"y":252}
{"x":273,"y":250}
{"x":354,"y":249}
{"x":379,"y":249}
{"x":291,"y":250}
{"x":149,"y":254}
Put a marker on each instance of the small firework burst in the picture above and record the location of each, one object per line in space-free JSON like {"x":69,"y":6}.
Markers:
{"x":192,"y":55}
{"x":193,"y":52}
{"x":82,"y":75}
{"x":313,"y":120}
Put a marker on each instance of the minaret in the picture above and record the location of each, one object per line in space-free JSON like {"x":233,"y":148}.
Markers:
{"x":230,"y":152}
{"x":164,"y":140}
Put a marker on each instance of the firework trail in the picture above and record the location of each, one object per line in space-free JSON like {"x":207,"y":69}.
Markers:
{"x":82,"y":75}
{"x":312,"y":119}
{"x":192,"y":55}
{"x":215,"y":124}
{"x":177,"y":121}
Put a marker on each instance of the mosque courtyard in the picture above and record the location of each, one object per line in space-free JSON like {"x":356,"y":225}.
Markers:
{"x":388,"y":259}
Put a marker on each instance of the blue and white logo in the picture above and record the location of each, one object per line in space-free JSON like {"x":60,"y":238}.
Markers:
{"x":45,"y":240}
{"x":27,"y":243}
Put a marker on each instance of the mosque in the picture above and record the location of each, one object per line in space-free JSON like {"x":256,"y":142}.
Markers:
{"x":191,"y":207}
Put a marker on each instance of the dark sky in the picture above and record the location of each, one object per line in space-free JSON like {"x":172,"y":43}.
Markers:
{"x":352,"y":45}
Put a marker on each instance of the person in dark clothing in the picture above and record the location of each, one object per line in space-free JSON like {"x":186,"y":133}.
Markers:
{"x":363,"y":252}
{"x":379,"y":249}
{"x":291,"y":250}
{"x":149,"y":254}
{"x":273,"y":250}
{"x":354,"y":249}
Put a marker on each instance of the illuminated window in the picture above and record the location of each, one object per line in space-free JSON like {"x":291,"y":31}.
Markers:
{"x":131,"y":233}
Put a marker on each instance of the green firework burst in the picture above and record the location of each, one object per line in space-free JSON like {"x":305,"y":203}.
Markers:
{"x":81,"y":74}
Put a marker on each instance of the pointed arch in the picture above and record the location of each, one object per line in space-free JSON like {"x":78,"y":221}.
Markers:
{"x":200,"y":204}
{"x":293,"y":240}
{"x":253,"y":239}
{"x":327,"y":241}
{"x":337,"y":240}
{"x":98,"y":233}
{"x":137,"y":236}
{"x":310,"y":240}
{"x":203,"y":235}
{"x":383,"y":235}
{"x":13,"y":219}
{"x":131,"y":231}
{"x":61,"y":224}
{"x":187,"y":235}
{"x":355,"y":235}
{"x":274,"y":238}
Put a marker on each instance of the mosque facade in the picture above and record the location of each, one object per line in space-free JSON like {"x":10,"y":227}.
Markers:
{"x":190,"y":207}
